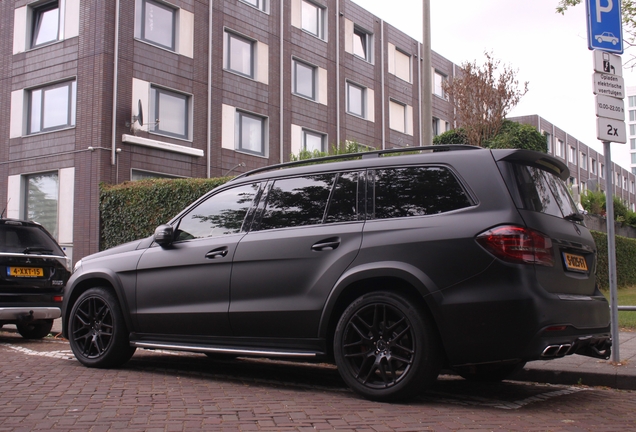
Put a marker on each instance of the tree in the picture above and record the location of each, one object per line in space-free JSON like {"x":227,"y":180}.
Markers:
{"x":483,"y":96}
{"x":628,"y":10}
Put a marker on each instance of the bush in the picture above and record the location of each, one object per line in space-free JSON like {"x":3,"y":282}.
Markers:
{"x":625,"y":257}
{"x":133,"y":210}
{"x":453,"y":136}
{"x":518,"y":136}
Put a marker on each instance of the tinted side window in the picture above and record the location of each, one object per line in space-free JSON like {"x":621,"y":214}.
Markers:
{"x":416,"y":191}
{"x":221,"y":214}
{"x":543,"y":192}
{"x":343,"y":206}
{"x":297,"y":201}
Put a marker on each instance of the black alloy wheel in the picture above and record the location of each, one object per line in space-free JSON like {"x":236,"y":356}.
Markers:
{"x":385,"y":348}
{"x":97,"y":331}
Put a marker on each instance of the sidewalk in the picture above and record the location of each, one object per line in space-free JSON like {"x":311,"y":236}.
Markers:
{"x":569,"y":370}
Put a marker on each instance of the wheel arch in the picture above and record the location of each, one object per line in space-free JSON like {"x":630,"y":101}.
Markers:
{"x":104,"y":279}
{"x":400,"y":278}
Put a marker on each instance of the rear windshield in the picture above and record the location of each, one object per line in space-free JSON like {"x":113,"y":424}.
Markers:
{"x":542,"y":191}
{"x":27,"y":239}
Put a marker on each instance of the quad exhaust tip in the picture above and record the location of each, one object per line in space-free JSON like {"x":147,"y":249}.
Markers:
{"x":556,"y":351}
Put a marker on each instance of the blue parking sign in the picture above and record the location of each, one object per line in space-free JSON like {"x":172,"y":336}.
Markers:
{"x":604,"y":25}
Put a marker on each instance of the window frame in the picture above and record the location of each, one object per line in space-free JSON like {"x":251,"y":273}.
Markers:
{"x":442,"y":79}
{"x":391,"y":116}
{"x":261,"y":5}
{"x":409,"y":57}
{"x":366,"y":40}
{"x":314,"y":77}
{"x":229,"y":36}
{"x":320,"y":19}
{"x":240,"y":114}
{"x":71,"y":111}
{"x":37,"y":12}
{"x":363,"y":100}
{"x":53,"y":230}
{"x":161,"y":5}
{"x":155,"y":124}
{"x":308,"y":132}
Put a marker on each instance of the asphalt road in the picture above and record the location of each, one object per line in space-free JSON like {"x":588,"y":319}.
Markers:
{"x":42,"y":387}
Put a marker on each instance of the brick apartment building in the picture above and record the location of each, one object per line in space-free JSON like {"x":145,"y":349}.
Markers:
{"x":110,"y":91}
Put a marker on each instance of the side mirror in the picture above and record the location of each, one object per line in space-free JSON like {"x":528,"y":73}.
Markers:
{"x":164,"y":235}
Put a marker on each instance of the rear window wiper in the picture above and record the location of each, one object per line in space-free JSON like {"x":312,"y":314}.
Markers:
{"x":574,"y":217}
{"x":38,"y":250}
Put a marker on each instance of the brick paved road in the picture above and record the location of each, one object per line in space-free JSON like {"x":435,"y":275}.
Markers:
{"x":43,"y":388}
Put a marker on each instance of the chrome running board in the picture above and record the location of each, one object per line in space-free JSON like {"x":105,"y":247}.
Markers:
{"x":234,"y":351}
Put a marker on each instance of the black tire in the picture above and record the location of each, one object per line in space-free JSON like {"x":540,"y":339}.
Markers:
{"x":97,"y":331}
{"x":489,"y":372}
{"x":386,"y":349}
{"x":35,"y":329}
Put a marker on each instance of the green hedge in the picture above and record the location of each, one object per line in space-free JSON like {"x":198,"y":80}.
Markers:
{"x":625,"y":259}
{"x":133,"y":210}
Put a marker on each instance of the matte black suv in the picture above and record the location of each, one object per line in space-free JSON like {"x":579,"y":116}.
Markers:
{"x":395,"y":267}
{"x":34,"y":272}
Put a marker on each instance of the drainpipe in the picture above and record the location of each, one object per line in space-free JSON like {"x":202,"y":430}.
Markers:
{"x":113,"y":150}
{"x":382,"y":79}
{"x":209,"y":135}
{"x":281,"y":113}
{"x":337,"y":74}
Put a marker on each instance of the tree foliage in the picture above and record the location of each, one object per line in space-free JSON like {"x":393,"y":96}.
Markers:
{"x":511,"y":135}
{"x":628,"y":10}
{"x":482,"y":96}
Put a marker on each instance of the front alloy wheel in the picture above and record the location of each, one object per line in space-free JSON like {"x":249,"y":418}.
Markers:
{"x":385,"y":348}
{"x":97,"y":331}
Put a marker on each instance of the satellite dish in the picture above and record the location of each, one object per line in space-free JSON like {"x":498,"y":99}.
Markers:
{"x":140,"y":113}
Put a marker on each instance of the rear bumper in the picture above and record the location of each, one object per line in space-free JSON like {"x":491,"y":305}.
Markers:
{"x":13,"y":314}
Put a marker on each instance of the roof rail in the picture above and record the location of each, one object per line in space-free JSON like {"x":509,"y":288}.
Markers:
{"x":361,"y":155}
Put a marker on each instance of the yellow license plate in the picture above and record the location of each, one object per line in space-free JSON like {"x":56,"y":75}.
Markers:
{"x":574,"y":262}
{"x":25,"y":271}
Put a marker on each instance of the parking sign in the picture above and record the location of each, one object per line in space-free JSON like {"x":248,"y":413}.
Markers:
{"x":604,"y":25}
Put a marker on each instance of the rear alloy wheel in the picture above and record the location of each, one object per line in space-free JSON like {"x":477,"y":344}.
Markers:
{"x":97,"y":331}
{"x":386,"y":348}
{"x":35,"y":329}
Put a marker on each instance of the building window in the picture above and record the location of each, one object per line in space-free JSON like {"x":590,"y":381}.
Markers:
{"x":397,"y":116}
{"x":356,"y":100}
{"x":239,"y":56}
{"x":41,"y":198}
{"x":583,"y":160}
{"x":52,"y":107}
{"x":571,"y":155}
{"x":313,"y":141}
{"x":602,"y":171}
{"x":438,"y":85}
{"x":435,"y":125}
{"x":362,"y":44}
{"x":632,"y":115}
{"x":313,"y":19}
{"x":158,"y":24}
{"x":304,"y":80}
{"x":632,"y":101}
{"x":258,"y":4}
{"x":593,"y":166}
{"x":171,"y":112}
{"x":548,"y":140}
{"x":250,"y":133}
{"x":46,"y":24}
{"x":560,"y":149}
{"x":402,"y":65}
{"x":633,"y":155}
{"x":632,"y":129}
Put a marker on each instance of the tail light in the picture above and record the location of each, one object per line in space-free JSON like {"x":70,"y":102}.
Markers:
{"x":518,"y":245}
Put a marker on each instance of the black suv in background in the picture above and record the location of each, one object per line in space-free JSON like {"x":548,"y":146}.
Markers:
{"x":34,"y":270}
{"x":393,"y":267}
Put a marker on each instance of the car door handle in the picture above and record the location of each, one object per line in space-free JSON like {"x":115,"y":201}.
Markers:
{"x":327,"y":244}
{"x":217,"y":253}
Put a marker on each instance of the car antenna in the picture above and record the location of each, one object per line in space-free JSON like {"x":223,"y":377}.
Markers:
{"x":5,"y":208}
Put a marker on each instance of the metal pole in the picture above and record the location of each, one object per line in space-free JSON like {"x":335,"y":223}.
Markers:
{"x":611,"y":249}
{"x":427,"y":86}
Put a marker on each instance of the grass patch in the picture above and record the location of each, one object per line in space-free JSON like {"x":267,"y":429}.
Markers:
{"x":626,"y":297}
